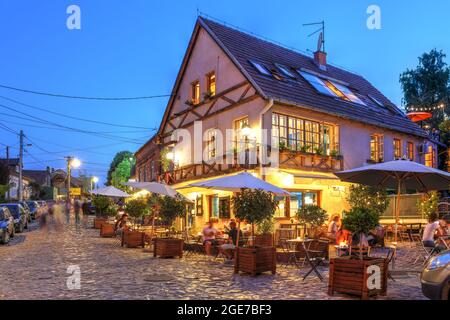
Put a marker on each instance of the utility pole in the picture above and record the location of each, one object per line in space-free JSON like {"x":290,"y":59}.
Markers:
{"x":7,"y":163}
{"x":69,"y":159}
{"x":21,"y":167}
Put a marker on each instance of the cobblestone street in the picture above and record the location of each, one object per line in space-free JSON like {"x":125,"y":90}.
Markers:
{"x":34,"y":266}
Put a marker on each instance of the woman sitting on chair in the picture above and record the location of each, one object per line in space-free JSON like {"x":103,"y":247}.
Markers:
{"x":121,"y":224}
{"x":429,"y":233}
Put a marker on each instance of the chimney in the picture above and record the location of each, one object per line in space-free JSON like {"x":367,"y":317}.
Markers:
{"x":320,"y":59}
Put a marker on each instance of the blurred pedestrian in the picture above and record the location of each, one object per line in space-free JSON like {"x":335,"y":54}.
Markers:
{"x":77,"y":211}
{"x":67,"y":208}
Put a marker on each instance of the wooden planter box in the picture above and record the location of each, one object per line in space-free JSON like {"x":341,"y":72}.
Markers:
{"x":107,"y":230}
{"x":255,"y":260}
{"x":264,"y":240}
{"x":133,"y":239}
{"x":168,"y":247}
{"x":98,"y":222}
{"x":350,"y":276}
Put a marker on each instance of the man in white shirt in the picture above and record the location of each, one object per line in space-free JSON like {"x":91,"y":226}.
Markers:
{"x":429,"y":231}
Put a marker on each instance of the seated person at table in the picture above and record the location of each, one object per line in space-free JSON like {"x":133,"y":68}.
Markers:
{"x":376,"y":236}
{"x":209,"y":237}
{"x":121,"y":224}
{"x":342,"y":236}
{"x":227,"y":248}
{"x":333,"y":227}
{"x":429,"y":232}
{"x":246,"y":227}
{"x":227,"y":227}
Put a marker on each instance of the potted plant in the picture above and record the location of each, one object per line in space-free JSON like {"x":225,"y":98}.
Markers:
{"x":305,"y":148}
{"x":107,"y":229}
{"x":282,"y":146}
{"x":135,"y":208}
{"x":255,"y":206}
{"x":101,"y":204}
{"x":169,"y":209}
{"x":312,"y":216}
{"x":361,"y":275}
{"x":264,"y":235}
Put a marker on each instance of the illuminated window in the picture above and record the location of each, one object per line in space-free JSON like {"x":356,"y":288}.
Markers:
{"x":303,"y":135}
{"x":288,"y":206}
{"x":376,"y":148}
{"x":195,"y":94}
{"x":397,"y":148}
{"x":260,"y":68}
{"x":238,"y":134}
{"x":285,"y":71}
{"x":211,"y":83}
{"x":430,"y":157}
{"x":410,"y":151}
{"x":211,"y":144}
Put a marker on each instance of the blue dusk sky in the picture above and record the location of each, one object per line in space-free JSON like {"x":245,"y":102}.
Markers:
{"x":134,"y":48}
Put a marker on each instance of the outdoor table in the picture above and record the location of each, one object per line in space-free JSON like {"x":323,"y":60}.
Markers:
{"x":313,"y":266}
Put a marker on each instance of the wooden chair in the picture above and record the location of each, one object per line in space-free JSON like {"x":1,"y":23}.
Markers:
{"x":290,"y":251}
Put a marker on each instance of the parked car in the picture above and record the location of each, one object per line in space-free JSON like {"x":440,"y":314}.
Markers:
{"x":19,"y":214}
{"x":34,"y":208}
{"x":7,"y":229}
{"x":27,"y":211}
{"x":435,"y":277}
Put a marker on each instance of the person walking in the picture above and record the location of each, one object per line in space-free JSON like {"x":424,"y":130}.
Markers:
{"x":67,"y":208}
{"x":77,"y":210}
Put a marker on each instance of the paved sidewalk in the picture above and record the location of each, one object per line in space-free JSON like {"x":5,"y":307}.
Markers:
{"x":34,"y":266}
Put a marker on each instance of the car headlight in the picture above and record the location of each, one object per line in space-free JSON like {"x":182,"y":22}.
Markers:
{"x":439,"y":261}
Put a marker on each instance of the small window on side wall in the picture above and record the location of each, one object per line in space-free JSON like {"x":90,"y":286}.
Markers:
{"x":211,"y":84}
{"x":195,"y":92}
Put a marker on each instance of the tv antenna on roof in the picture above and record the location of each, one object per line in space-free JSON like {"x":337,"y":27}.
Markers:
{"x":321,"y":40}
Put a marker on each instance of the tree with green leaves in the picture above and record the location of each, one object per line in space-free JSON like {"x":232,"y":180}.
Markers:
{"x":361,"y":196}
{"x":312,"y":215}
{"x":136,"y":208}
{"x":118,"y":159}
{"x":428,"y":204}
{"x":121,"y":174}
{"x":171,"y":208}
{"x":428,"y":85}
{"x":255,"y":206}
{"x":427,"y":88}
{"x":4,"y":179}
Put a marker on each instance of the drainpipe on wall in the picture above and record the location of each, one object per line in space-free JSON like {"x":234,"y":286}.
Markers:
{"x":261,"y":123}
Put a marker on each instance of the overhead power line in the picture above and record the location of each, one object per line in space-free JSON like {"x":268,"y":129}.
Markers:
{"x":73,"y":117}
{"x":83,"y":97}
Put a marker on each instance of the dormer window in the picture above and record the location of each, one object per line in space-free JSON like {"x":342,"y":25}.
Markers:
{"x":262,"y":69}
{"x":318,"y":84}
{"x":348,"y":93}
{"x":195,"y":92}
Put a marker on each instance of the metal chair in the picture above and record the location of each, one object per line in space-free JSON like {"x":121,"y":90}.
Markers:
{"x":289,"y":249}
{"x":316,"y":254}
{"x":424,"y":253}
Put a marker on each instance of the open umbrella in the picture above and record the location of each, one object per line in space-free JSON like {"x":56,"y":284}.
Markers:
{"x":110,"y":191}
{"x":240,"y":181}
{"x":398,"y":174}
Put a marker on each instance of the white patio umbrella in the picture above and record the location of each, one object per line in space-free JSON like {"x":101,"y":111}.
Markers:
{"x":153,"y":187}
{"x":239,"y":181}
{"x":110,"y":191}
{"x":398,"y":174}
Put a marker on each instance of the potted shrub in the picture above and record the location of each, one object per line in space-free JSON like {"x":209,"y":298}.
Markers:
{"x":101,"y":204}
{"x":107,"y":229}
{"x":135,"y":208}
{"x":264,"y":235}
{"x":312,"y":216}
{"x":169,"y":209}
{"x":255,"y":206}
{"x":360,"y":275}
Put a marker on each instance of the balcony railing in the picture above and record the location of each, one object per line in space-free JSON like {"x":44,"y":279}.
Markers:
{"x":287,"y":160}
{"x":310,"y":161}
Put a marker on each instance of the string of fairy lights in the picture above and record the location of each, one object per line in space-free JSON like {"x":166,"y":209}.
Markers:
{"x":412,"y":108}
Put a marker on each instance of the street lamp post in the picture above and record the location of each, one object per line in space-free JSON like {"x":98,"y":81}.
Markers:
{"x":94,"y":181}
{"x":72,"y":162}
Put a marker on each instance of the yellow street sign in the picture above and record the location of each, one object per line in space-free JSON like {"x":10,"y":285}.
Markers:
{"x":75,"y":191}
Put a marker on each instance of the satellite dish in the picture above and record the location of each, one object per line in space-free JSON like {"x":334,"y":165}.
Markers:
{"x":320,"y":42}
